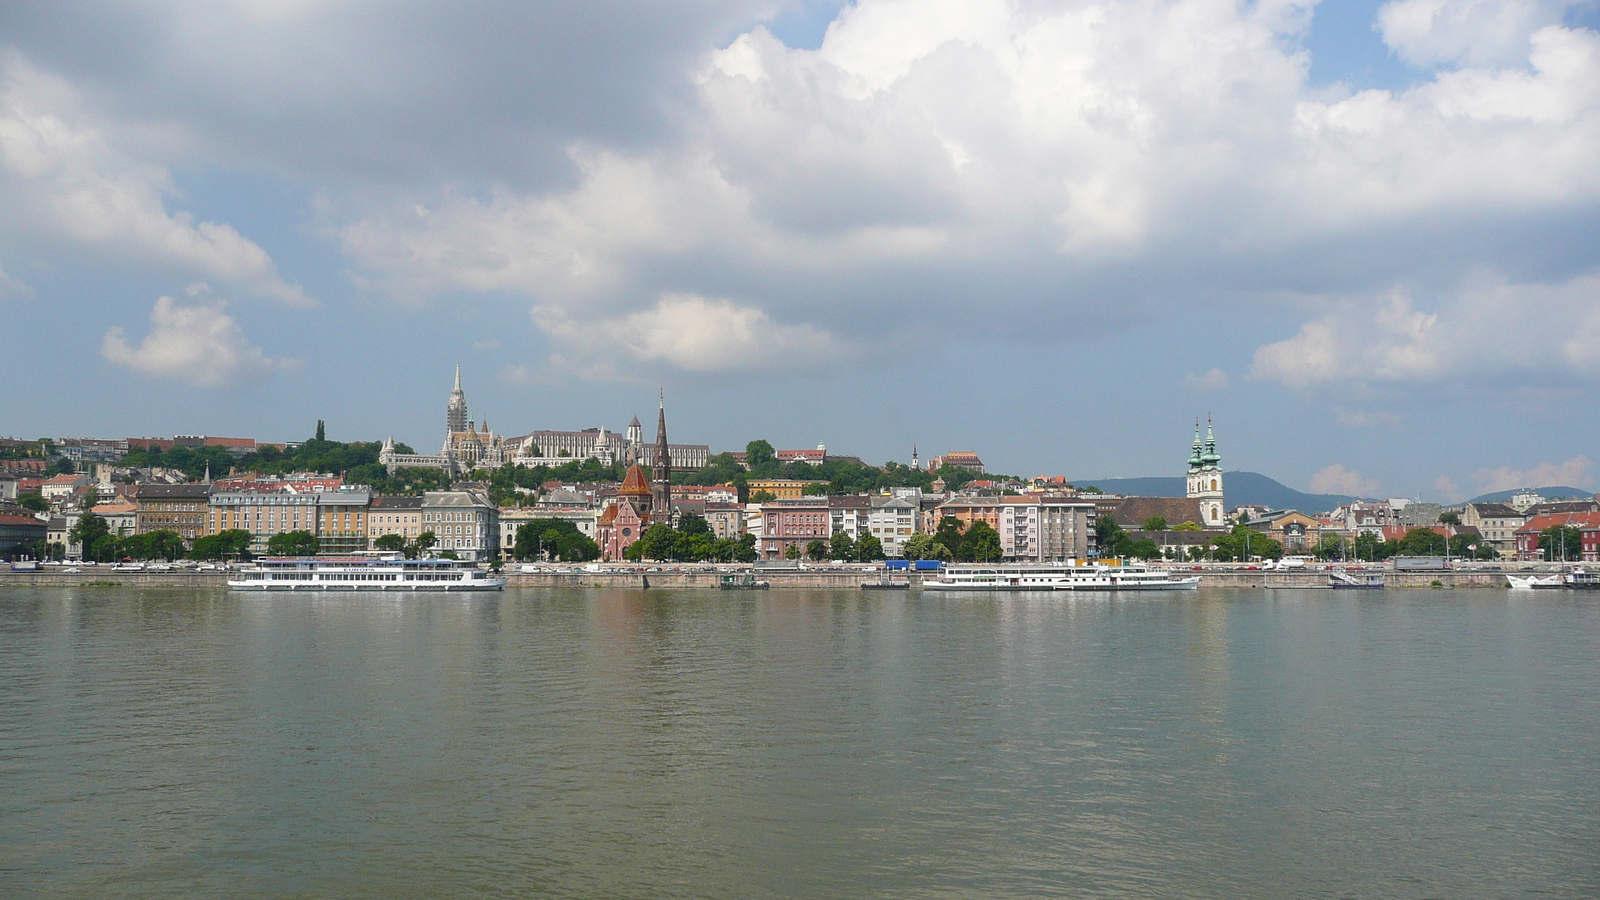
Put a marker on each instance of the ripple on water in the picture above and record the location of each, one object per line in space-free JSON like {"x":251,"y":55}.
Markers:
{"x":158,"y":743}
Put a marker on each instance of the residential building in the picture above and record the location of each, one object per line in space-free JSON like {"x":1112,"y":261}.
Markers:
{"x":121,"y":516}
{"x":810,"y":457}
{"x":726,"y":519}
{"x":398,"y":515}
{"x":337,"y":518}
{"x":19,"y":533}
{"x":851,"y":514}
{"x":1205,"y":479}
{"x":957,"y":459}
{"x":893,"y":520}
{"x":584,"y":517}
{"x":779,"y":488}
{"x":59,"y":486}
{"x":57,"y":530}
{"x":716,"y":493}
{"x":463,"y":522}
{"x":172,"y":507}
{"x":1527,"y":536}
{"x":1032,"y":528}
{"x":1498,"y":523}
{"x":793,"y":521}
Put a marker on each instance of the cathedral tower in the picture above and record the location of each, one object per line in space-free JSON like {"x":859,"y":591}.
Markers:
{"x":1205,"y":478}
{"x":455,"y":416}
{"x":661,"y":473}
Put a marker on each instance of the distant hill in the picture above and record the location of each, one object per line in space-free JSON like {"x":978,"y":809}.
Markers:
{"x":1551,"y":493}
{"x":1239,"y":489}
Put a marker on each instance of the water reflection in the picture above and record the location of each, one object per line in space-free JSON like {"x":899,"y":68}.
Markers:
{"x":797,"y":743}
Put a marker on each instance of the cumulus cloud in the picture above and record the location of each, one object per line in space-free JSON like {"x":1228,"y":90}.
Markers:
{"x":68,"y":191}
{"x":198,"y":344}
{"x":697,"y":334}
{"x":1575,"y":472}
{"x":1336,"y":479}
{"x":1214,"y":380}
{"x":1039,"y":157}
{"x":1448,"y":490}
{"x":1487,"y":327}
{"x":1061,"y":163}
{"x":1474,"y":32}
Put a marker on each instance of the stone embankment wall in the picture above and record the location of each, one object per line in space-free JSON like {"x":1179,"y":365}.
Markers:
{"x":709,"y":580}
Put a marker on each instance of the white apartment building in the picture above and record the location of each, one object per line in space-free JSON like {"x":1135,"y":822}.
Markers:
{"x":893,"y":520}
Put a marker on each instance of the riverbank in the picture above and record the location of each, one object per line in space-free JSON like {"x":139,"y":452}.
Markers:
{"x":686,"y":579}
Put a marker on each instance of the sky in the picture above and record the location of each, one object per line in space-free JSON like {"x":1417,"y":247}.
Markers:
{"x":1363,"y":238}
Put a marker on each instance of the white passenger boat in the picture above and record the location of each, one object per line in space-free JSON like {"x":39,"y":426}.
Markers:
{"x":1059,"y":577}
{"x":1580,"y":578}
{"x":359,"y":573}
{"x":1533,"y":582}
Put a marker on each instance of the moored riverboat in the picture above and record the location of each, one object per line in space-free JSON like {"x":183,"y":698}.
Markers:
{"x":1059,"y":577}
{"x":361,"y":573}
{"x":1356,"y":580}
{"x":742,"y":581}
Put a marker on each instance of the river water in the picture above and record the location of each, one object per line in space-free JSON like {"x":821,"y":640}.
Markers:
{"x":571,"y":743}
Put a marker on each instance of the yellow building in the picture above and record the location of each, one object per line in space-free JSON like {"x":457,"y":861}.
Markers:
{"x":337,"y":518}
{"x":780,"y":488}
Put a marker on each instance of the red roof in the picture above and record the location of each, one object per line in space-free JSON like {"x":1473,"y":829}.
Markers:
{"x":1579,"y":520}
{"x":634,"y":485}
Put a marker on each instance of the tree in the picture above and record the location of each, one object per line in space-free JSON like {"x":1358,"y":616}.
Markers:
{"x":658,"y":543}
{"x":758,"y":454}
{"x":159,"y":544}
{"x":948,"y":533}
{"x":393,"y":543}
{"x":33,"y":502}
{"x":1561,"y":543}
{"x":1471,"y":546}
{"x":817,"y":550}
{"x":691,"y":523}
{"x":89,"y":529}
{"x":233,"y":543}
{"x":1450,"y":518}
{"x":1187,"y":526}
{"x":293,"y":543}
{"x":791,"y":552}
{"x":1144,"y":549}
{"x":841,"y":546}
{"x":869,"y":548}
{"x":1154,"y":523}
{"x":940,"y":552}
{"x":763,"y":497}
{"x":1332,"y":546}
{"x":424,"y":542}
{"x":1107,"y":534}
{"x":916,"y":546}
{"x":1422,"y":542}
{"x":981,"y":543}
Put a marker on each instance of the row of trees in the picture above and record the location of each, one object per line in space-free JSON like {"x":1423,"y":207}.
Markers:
{"x":953,"y":540}
{"x":691,"y":541}
{"x":1416,"y":542}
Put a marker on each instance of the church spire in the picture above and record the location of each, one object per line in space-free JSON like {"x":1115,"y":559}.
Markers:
{"x":661,"y":482}
{"x":455,"y":415}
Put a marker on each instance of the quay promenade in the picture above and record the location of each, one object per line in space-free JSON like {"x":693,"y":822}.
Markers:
{"x":698,"y":577}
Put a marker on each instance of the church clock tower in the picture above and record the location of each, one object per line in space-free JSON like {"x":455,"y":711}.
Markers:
{"x":1205,"y":478}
